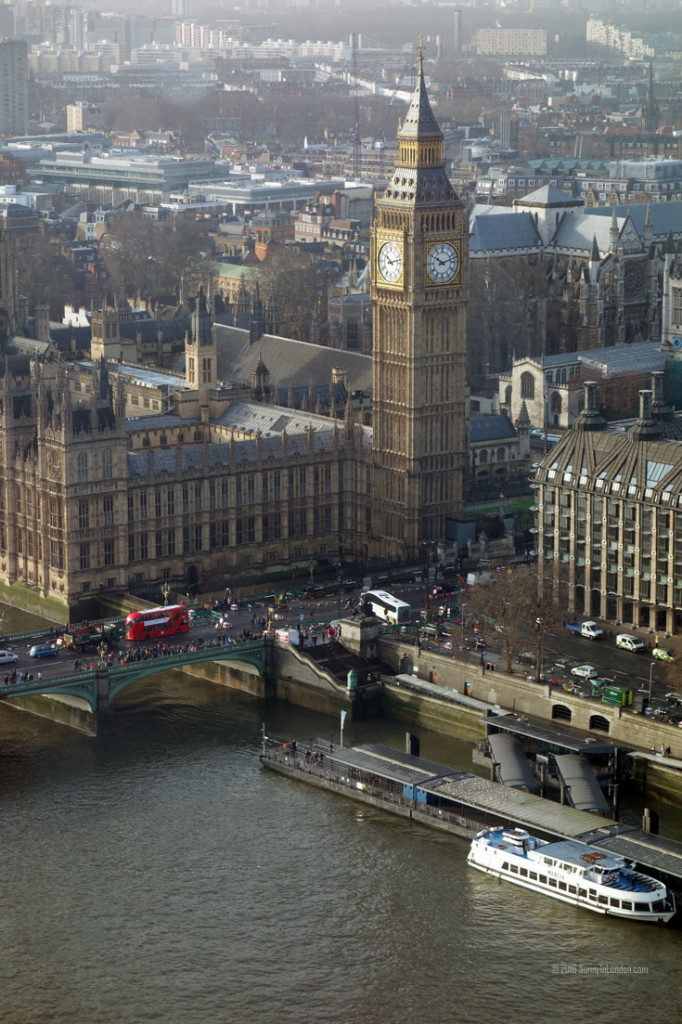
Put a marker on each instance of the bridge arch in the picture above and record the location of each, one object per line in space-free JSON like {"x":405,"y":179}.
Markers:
{"x":599,"y":723}
{"x":98,"y":687}
{"x":562,"y":712}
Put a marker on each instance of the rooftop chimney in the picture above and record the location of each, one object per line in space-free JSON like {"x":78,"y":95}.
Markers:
{"x":646,"y":428}
{"x":590,"y":418}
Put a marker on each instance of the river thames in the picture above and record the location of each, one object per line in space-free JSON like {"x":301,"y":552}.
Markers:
{"x":161,"y":875}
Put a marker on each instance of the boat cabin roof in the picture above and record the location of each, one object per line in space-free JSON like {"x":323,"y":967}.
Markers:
{"x":577,"y":853}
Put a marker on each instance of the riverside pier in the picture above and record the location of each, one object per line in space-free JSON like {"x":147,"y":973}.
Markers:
{"x":460,"y":802}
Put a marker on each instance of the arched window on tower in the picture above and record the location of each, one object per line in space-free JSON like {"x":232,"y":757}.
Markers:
{"x":527,"y":385}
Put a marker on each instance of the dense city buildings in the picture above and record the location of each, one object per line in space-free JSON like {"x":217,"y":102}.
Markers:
{"x":117,"y":476}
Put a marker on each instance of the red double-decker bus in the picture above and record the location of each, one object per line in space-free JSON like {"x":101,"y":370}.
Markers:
{"x":156,"y":622}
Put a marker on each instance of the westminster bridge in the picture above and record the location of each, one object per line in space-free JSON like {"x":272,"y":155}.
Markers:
{"x":265,"y":667}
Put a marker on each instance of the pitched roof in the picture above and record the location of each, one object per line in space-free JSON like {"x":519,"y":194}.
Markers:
{"x":420,"y":122}
{"x":548,"y":196}
{"x":288,"y":361}
{"x":490,"y":428}
{"x":503,"y":231}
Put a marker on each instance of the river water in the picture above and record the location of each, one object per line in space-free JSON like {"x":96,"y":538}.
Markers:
{"x":162,"y":875}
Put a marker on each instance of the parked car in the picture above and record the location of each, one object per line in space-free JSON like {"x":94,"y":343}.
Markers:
{"x":42,"y":651}
{"x":8,"y":658}
{"x":629,"y":643}
{"x":585,"y":672}
{"x":662,"y":654}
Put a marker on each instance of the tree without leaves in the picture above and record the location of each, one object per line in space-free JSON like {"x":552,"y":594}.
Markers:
{"x":300,"y":284}
{"x":148,"y":259}
{"x":508,"y":608}
{"x":45,"y":275}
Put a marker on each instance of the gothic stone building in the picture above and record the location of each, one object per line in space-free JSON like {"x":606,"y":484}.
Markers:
{"x":203,"y":495}
{"x":214,"y":488}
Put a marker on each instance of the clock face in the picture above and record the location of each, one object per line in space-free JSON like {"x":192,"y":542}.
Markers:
{"x":442,"y":262}
{"x":390,"y":262}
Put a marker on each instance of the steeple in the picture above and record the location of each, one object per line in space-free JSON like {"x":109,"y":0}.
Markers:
{"x":419,"y":178}
{"x":614,"y":232}
{"x":650,"y":114}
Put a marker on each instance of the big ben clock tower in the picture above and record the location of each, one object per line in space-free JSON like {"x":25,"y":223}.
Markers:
{"x":419,"y":261}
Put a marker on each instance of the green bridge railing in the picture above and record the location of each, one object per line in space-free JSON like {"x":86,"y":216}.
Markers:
{"x":99,"y":686}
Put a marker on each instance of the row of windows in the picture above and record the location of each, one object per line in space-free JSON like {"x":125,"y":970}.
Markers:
{"x":574,"y":890}
{"x":246,"y":492}
{"x":246,"y":530}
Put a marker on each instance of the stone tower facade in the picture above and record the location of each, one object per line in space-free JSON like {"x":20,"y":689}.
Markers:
{"x":105,"y":340}
{"x":419,"y":261}
{"x":201,"y":353}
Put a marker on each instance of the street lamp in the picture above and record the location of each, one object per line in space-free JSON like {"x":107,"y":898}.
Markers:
{"x":103,"y":651}
{"x":539,"y":652}
{"x":462,"y":614}
{"x":651,"y":673}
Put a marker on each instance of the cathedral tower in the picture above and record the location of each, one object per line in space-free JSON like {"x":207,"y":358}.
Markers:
{"x":419,"y":261}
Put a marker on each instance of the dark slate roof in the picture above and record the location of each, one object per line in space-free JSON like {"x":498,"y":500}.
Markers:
{"x":420,"y":122}
{"x":173,"y":329}
{"x":29,"y":346}
{"x":490,"y":428}
{"x":61,"y":337}
{"x":500,"y":231}
{"x":288,"y":361}
{"x":548,"y":196}
{"x":159,"y":422}
{"x":663,"y":217}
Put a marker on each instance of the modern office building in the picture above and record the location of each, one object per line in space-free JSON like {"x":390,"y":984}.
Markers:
{"x":610,"y":516}
{"x":13,"y":87}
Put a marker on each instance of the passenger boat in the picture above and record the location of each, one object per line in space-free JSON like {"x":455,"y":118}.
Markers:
{"x":574,"y":873}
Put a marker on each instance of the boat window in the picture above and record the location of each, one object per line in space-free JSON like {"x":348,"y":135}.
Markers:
{"x":641,"y":907}
{"x":562,"y":886}
{"x":515,"y":869}
{"x":505,"y":866}
{"x":626,"y":905}
{"x":552,"y":883}
{"x":658,"y":906}
{"x":523,"y":872}
{"x":543,"y":879}
{"x":533,"y":875}
{"x":593,"y":894}
{"x":603,"y":899}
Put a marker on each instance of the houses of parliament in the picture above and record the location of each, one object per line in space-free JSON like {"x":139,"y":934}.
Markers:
{"x":116,"y":476}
